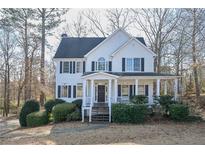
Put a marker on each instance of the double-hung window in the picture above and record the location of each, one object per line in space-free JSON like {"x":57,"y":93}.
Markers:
{"x":64,"y":91}
{"x":66,"y":67}
{"x":101,"y":64}
{"x":132,"y":64}
{"x":79,"y":92}
{"x":78,"y":67}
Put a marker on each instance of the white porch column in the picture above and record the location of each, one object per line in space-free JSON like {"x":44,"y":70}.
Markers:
{"x":109,"y":97}
{"x":136,"y":86}
{"x":165,"y":87}
{"x":116,"y":90}
{"x":158,"y":87}
{"x":175,"y":88}
{"x":92,"y":99}
{"x":84,"y":98}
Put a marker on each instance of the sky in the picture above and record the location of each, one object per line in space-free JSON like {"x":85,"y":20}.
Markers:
{"x":72,"y":16}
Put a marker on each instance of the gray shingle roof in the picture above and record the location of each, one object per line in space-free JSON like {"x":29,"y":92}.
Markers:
{"x":133,"y":74}
{"x":75,"y":47}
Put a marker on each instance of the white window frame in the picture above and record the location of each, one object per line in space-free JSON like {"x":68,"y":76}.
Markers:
{"x":77,"y":92}
{"x":127,"y":86}
{"x":63,"y":91}
{"x":68,"y":66}
{"x":132,"y":65}
{"x":78,"y":67}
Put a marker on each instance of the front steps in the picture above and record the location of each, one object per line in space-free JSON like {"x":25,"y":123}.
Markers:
{"x":100,"y":112}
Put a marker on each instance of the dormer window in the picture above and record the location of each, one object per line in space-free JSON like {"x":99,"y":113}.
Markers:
{"x":101,"y":64}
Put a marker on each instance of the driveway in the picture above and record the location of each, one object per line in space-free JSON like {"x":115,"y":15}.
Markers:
{"x":85,"y":133}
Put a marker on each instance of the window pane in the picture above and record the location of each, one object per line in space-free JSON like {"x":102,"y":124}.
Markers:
{"x":125,"y":90}
{"x":64,"y":91}
{"x":78,"y":67}
{"x":79,"y":91}
{"x":129,"y":64}
{"x":141,"y":90}
{"x":101,"y":64}
{"x":136,"y":64}
{"x":65,"y":67}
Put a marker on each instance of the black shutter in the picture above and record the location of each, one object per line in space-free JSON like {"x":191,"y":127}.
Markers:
{"x":142,"y":64}
{"x":110,"y":65}
{"x":83,"y":66}
{"x":93,"y":66}
{"x":71,"y":67}
{"x":61,"y":64}
{"x":119,"y":90}
{"x":123,"y":64}
{"x":59,"y":91}
{"x":134,"y":90}
{"x":131,"y":92}
{"x":69,"y":91}
{"x":146,"y":90}
{"x":74,"y":91}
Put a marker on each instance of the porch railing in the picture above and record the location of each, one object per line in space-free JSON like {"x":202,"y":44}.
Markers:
{"x":123,"y":99}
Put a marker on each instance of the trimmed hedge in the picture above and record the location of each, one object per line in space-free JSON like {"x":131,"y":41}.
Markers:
{"x":61,"y":111}
{"x":51,"y":103}
{"x":78,"y":103}
{"x":178,"y":112}
{"x":127,"y":113}
{"x":75,"y":116}
{"x":139,"y":99}
{"x":37,"y":119}
{"x":28,"y":107}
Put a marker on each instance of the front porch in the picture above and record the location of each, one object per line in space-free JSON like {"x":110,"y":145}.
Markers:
{"x":103,"y":89}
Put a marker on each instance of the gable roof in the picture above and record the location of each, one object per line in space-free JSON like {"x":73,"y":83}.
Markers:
{"x":127,"y":43}
{"x":75,"y":47}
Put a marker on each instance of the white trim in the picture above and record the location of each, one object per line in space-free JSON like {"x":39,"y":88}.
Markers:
{"x":108,"y":38}
{"x":100,"y":73}
{"x":127,"y":43}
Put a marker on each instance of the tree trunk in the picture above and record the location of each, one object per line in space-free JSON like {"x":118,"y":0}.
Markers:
{"x":195,"y":71}
{"x":42,"y":67}
{"x":26,"y":79}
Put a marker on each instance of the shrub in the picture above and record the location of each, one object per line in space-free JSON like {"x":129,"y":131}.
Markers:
{"x":139,"y":99}
{"x":28,"y":107}
{"x":61,"y":111}
{"x":124,"y":113}
{"x":78,"y":103}
{"x":75,"y":116}
{"x":178,"y":112}
{"x":51,"y":103}
{"x":37,"y":119}
{"x":165,"y":101}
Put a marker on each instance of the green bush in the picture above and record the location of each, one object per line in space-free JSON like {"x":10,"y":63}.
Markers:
{"x":139,"y":99}
{"x":75,"y":116}
{"x":61,"y":111}
{"x":37,"y":119}
{"x":78,"y":103}
{"x":28,"y":107}
{"x":126,"y":113}
{"x":51,"y":103}
{"x":178,"y":112}
{"x":165,"y":101}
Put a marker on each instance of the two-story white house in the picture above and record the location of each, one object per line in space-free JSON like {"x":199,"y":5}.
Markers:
{"x":102,"y":71}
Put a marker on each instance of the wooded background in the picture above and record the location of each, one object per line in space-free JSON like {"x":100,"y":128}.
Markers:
{"x":27,"y":69}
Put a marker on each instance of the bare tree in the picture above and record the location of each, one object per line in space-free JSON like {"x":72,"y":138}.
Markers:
{"x":195,"y":19}
{"x":7,"y":47}
{"x":157,"y":24}
{"x":77,"y":28}
{"x":50,"y":18}
{"x":119,"y":18}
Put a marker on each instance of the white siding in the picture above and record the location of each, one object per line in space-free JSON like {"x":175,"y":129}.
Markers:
{"x":67,"y":78}
{"x":133,"y":49}
{"x":107,"y":48}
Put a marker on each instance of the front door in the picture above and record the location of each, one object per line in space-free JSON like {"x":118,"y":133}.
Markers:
{"x":101,"y":93}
